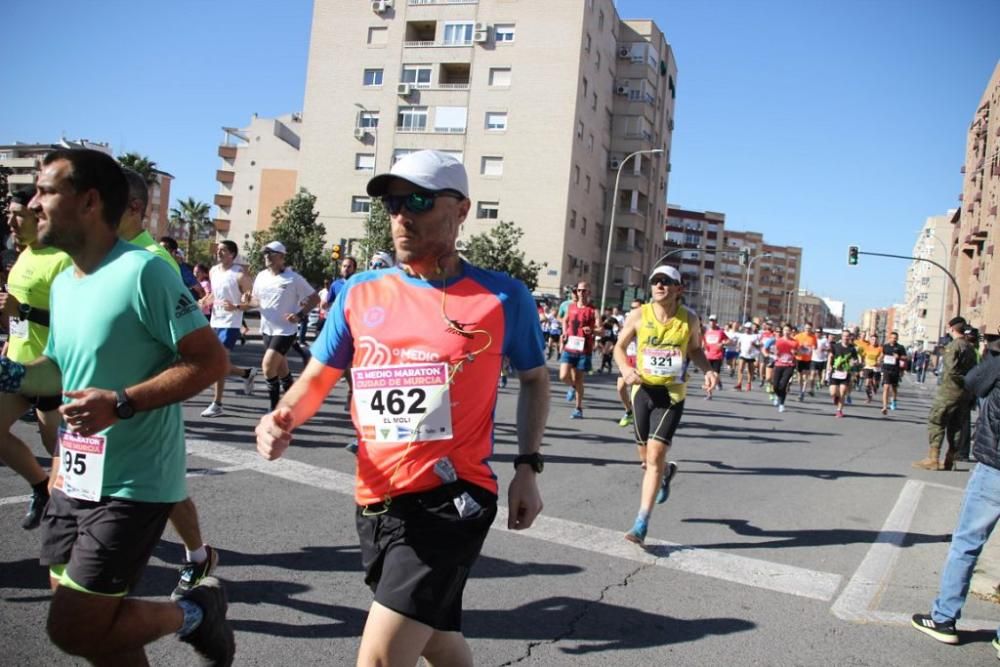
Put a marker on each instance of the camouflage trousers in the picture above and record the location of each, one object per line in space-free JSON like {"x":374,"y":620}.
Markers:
{"x":949,"y":417}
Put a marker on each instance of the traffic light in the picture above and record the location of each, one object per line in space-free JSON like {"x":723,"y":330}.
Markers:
{"x":852,"y":255}
{"x":338,"y":252}
{"x":744,"y":256}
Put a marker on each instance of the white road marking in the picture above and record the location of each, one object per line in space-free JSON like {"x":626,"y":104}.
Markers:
{"x":859,"y":598}
{"x":716,"y":564}
{"x":14,"y":500}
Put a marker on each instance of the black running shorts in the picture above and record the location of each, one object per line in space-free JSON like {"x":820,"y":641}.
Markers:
{"x":656,"y":416}
{"x":417,"y":554}
{"x":104,"y":545}
{"x":716,"y":364}
{"x":803,"y":366}
{"x":280,"y":344}
{"x":890,"y":376}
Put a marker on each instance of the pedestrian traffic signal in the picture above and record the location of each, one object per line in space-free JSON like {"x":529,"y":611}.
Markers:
{"x":852,"y":255}
{"x":744,"y":256}
{"x":338,"y":252}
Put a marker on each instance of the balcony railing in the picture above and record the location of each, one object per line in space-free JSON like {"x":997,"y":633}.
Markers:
{"x":442,"y":2}
{"x":432,"y":43}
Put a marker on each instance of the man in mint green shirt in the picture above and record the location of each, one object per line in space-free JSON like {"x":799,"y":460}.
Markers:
{"x":126,"y":344}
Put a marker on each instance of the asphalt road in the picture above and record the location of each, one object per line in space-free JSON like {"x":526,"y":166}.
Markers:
{"x":789,"y":539}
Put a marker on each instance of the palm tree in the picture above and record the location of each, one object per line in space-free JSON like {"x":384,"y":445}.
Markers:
{"x":141,"y":164}
{"x":191,"y":218}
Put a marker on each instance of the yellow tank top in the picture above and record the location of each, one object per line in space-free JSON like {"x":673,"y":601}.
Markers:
{"x":662,"y":348}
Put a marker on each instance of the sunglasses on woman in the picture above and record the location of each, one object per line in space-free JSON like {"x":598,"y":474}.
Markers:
{"x":416,"y":202}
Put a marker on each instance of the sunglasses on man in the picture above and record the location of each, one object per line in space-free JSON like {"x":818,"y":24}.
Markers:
{"x":416,"y":202}
{"x":663,"y":280}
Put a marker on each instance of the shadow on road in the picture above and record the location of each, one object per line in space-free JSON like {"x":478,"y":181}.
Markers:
{"x":812,"y":538}
{"x":726,"y":469}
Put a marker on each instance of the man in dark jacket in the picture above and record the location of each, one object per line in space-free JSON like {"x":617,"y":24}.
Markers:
{"x":980,"y":508}
{"x":952,"y":403}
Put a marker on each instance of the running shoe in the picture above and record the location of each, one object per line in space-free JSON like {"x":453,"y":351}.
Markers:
{"x":248,"y":382}
{"x":781,"y":407}
{"x":892,"y":405}
{"x":213,"y":638}
{"x":802,"y":397}
{"x":840,"y":413}
{"x":576,"y":414}
{"x":849,"y":401}
{"x":996,"y":646}
{"x":943,"y":632}
{"x":664,"y":492}
{"x":352,"y":447}
{"x":192,"y":574}
{"x":637,"y":533}
{"x":885,"y":410}
{"x":570,"y":395}
{"x":812,"y":393}
{"x":36,"y":507}
{"x":626,"y":420}
{"x":739,"y":387}
{"x":774,"y":400}
{"x":213,"y":410}
{"x":503,"y":381}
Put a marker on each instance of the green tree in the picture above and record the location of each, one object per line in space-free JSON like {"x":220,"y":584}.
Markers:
{"x":378,"y":233}
{"x":140,"y":164}
{"x":190,"y":219}
{"x":498,"y":249}
{"x":294,"y":224}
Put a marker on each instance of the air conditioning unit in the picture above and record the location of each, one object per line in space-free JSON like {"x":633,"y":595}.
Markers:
{"x":621,"y":89}
{"x":480,"y":27}
{"x":379,"y":6}
{"x":360,"y":133}
{"x":481,"y":36}
{"x":624,"y":52}
{"x":404,"y":89}
{"x":614,"y":163}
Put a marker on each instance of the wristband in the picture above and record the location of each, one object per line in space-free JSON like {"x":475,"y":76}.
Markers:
{"x":11,"y":375}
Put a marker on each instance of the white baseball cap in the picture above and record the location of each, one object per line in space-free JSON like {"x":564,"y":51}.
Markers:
{"x":427,"y":169}
{"x":748,"y":325}
{"x":381,"y":260}
{"x":275,"y":246}
{"x":714,"y":318}
{"x":668,"y":271}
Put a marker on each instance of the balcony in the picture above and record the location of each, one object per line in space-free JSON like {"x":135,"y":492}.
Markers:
{"x":225,"y":201}
{"x":19,"y":162}
{"x":442,"y":2}
{"x":221,"y":225}
{"x":227,"y":152}
{"x":225,"y":176}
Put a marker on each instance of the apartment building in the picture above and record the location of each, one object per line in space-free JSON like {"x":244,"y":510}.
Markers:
{"x":25,"y":161}
{"x":693,"y":242}
{"x":975,"y":233}
{"x":922,"y":316}
{"x":542,"y":101}
{"x":259,"y":171}
{"x":879,"y":321}
{"x":813,"y":309}
{"x":771,"y":279}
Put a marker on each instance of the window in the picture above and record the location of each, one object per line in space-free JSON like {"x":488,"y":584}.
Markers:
{"x":572,"y":219}
{"x":458,"y":33}
{"x":361,"y":204}
{"x":586,"y":181}
{"x":496,"y":120}
{"x":491,"y":166}
{"x":576,"y":174}
{"x":579,"y":129}
{"x":600,"y":20}
{"x":364,"y":162}
{"x":583,"y":226}
{"x":584,"y":86}
{"x":400,"y":153}
{"x":593,"y":104}
{"x":586,"y":43}
{"x":368,"y":119}
{"x":373,"y":78}
{"x":503,"y":32}
{"x":488,"y":210}
{"x":500,"y":77}
{"x":450,"y":119}
{"x":378,"y":36}
{"x":418,"y":75}
{"x":590,"y":142}
{"x":412,"y":119}
{"x":597,"y":63}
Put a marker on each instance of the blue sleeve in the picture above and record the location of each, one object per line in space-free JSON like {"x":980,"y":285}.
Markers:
{"x":523,"y":342}
{"x":335,"y":345}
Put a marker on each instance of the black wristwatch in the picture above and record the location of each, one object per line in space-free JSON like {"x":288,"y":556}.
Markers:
{"x":535,"y":460}
{"x":123,"y":406}
{"x":36,"y":315}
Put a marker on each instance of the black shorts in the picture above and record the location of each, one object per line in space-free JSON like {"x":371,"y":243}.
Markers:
{"x":417,"y":555}
{"x":819,"y":366}
{"x":44,"y":403}
{"x":554,"y":337}
{"x":803,"y":366}
{"x":656,"y":416}
{"x":716,"y":364}
{"x":890,"y":376}
{"x":870,"y":373}
{"x":280,"y":344}
{"x":104,"y":545}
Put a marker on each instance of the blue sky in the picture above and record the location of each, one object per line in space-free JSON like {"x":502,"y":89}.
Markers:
{"x":821,"y":124}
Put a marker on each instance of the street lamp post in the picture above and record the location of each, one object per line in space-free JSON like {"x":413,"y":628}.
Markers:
{"x":746,"y":288}
{"x":374,"y":131}
{"x":611,"y":225}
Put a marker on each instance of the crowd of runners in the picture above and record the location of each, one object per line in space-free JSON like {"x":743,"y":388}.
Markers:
{"x":407,"y":334}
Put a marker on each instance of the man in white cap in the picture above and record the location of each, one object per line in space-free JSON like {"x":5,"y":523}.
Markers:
{"x":284,"y":299}
{"x":747,"y":343}
{"x":381,"y":260}
{"x":714,"y":340}
{"x":668,"y":335}
{"x":424,"y":343}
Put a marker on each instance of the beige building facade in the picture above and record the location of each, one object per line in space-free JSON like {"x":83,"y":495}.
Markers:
{"x":922,"y":317}
{"x":258,"y":171}
{"x":542,"y":102}
{"x":975,"y":233}
{"x":770,"y":281}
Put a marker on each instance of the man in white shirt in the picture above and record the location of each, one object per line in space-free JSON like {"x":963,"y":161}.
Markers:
{"x":748,"y":343}
{"x":229,"y":285}
{"x":284,"y":299}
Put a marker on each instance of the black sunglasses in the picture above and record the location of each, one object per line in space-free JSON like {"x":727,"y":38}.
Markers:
{"x":416,"y":202}
{"x":663,"y":280}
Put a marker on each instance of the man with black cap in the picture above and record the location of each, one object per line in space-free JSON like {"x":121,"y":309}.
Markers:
{"x":952,"y":403}
{"x":424,"y":342}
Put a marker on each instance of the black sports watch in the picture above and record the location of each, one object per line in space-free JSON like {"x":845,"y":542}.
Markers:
{"x":123,"y":406}
{"x":535,"y":460}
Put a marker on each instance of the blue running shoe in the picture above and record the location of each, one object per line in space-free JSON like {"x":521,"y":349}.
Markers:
{"x":576,"y":414}
{"x":849,"y":401}
{"x":892,"y":405}
{"x":637,"y":534}
{"x":571,"y":395}
{"x":664,"y":492}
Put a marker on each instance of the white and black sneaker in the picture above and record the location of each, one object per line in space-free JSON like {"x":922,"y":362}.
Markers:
{"x":248,"y":381}
{"x":213,"y":410}
{"x":213,"y":638}
{"x":943,"y":632}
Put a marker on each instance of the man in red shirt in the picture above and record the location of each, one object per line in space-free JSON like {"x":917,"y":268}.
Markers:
{"x":714,"y":341}
{"x":578,"y":345}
